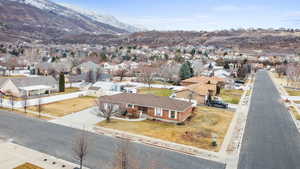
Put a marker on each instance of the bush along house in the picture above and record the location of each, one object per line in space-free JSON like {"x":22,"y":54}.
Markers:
{"x":153,"y":107}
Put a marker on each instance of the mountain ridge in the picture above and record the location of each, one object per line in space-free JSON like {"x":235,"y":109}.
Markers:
{"x":32,"y":15}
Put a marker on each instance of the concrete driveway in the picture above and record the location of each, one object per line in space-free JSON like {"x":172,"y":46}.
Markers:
{"x":85,"y":119}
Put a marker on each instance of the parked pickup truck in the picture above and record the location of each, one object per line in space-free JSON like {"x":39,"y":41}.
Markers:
{"x":218,"y":103}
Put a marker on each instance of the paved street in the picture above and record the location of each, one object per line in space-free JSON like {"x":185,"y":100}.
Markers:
{"x":271,"y":140}
{"x":57,"y":140}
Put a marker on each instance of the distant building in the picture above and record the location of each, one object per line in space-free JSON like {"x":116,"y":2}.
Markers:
{"x":28,"y":86}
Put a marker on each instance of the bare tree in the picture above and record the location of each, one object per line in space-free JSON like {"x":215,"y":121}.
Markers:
{"x":25,"y":103}
{"x":80,"y":147}
{"x":126,"y":158}
{"x":147,"y":75}
{"x":121,"y":73}
{"x":40,"y":106}
{"x":73,"y":64}
{"x":11,"y":100}
{"x":107,"y":110}
{"x":170,"y":72}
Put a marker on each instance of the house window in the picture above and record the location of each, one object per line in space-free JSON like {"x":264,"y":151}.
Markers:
{"x":158,"y":112}
{"x":130,"y":106}
{"x":172,"y":114}
{"x":113,"y":107}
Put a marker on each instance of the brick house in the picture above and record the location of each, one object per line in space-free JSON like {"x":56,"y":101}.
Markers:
{"x":154,"y":107}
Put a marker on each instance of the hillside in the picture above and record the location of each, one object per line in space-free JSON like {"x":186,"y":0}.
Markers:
{"x":43,"y":19}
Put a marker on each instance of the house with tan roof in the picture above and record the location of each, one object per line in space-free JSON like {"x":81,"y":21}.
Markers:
{"x":198,"y":92}
{"x":153,"y":107}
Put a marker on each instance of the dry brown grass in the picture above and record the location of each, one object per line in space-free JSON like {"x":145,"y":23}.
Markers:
{"x":292,"y":92}
{"x":297,"y":102}
{"x":28,"y":166}
{"x":156,"y":91}
{"x":66,"y":107}
{"x":231,"y":96}
{"x":295,"y":112}
{"x":197,"y":132}
{"x":12,"y":76}
{"x":27,"y":114}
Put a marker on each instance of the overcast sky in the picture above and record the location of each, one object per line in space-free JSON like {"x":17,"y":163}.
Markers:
{"x":198,"y":14}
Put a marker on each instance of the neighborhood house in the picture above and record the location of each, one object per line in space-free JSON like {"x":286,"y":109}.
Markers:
{"x":28,"y":86}
{"x":153,"y":107}
{"x":198,"y":92}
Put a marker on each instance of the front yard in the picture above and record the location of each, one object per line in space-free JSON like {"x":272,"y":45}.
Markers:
{"x":295,"y":112}
{"x":66,"y":107}
{"x":292,"y":92}
{"x":206,"y":123}
{"x":231,"y":96}
{"x":156,"y":91}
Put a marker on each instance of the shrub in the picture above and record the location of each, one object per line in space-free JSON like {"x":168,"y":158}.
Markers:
{"x":214,"y":143}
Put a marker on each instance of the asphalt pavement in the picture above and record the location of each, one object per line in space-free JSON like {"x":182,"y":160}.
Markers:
{"x":271,"y":139}
{"x":58,"y":141}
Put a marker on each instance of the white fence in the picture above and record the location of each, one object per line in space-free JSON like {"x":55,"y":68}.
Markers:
{"x":44,"y":100}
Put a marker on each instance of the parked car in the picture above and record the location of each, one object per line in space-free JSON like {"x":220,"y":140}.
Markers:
{"x":239,"y":81}
{"x":218,"y":103}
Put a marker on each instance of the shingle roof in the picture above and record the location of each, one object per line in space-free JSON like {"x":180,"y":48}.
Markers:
{"x":94,"y":88}
{"x":201,"y":89}
{"x":33,"y":81}
{"x":148,"y":100}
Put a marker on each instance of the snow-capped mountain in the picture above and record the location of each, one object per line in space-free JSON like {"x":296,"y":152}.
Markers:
{"x":37,"y":14}
{"x":108,"y":19}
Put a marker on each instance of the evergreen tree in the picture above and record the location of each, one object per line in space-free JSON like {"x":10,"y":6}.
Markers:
{"x":185,"y":71}
{"x":226,"y":66}
{"x":61,"y":82}
{"x":193,"y":52}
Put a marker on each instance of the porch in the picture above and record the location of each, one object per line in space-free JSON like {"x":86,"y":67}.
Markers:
{"x":35,"y":90}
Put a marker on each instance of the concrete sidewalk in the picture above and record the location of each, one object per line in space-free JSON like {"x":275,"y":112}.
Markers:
{"x":85,"y":119}
{"x":14,"y":155}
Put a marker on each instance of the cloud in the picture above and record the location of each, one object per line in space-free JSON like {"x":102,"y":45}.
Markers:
{"x":195,"y":22}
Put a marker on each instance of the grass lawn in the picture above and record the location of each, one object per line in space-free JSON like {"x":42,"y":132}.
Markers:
{"x":12,"y":76}
{"x":26,"y":114}
{"x":292,"y":92}
{"x":28,"y":166}
{"x":161,"y":83}
{"x":231,"y":96}
{"x":295,"y":113}
{"x":66,"y":107}
{"x":207,"y":121}
{"x":156,"y":91}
